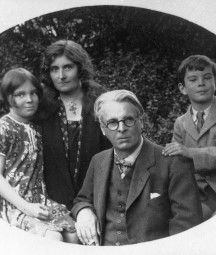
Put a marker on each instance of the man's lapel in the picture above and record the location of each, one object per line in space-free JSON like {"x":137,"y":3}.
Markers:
{"x":104,"y":169}
{"x":141,"y":175}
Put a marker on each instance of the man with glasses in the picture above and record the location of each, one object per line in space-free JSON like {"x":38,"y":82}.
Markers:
{"x":132,"y":193}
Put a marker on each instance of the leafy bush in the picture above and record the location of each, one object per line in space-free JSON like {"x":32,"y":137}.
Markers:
{"x":154,"y":83}
{"x":131,"y":48}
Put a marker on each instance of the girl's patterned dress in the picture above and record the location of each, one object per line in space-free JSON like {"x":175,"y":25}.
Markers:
{"x":21,"y":144}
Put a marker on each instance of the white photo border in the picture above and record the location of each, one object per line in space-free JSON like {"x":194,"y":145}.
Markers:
{"x":198,"y":240}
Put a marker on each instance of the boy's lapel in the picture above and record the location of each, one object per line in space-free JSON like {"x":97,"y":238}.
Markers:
{"x":210,"y":119}
{"x":189,"y":125}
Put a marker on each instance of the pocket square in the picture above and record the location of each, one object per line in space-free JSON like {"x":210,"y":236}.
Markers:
{"x":154,"y":195}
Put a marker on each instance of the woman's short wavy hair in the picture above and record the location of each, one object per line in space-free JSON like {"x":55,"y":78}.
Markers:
{"x":74,"y":52}
{"x":121,"y":95}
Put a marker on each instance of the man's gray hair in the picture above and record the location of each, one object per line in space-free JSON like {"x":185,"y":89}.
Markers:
{"x":121,"y":95}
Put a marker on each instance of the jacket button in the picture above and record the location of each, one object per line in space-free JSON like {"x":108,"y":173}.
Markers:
{"x":118,"y":221}
{"x":119,"y":232}
{"x":117,"y":244}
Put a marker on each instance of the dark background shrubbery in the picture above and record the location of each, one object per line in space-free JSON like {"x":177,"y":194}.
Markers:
{"x":131,"y":48}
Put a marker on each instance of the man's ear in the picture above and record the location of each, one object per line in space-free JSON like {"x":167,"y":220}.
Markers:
{"x":182,"y":89}
{"x":102,"y":129}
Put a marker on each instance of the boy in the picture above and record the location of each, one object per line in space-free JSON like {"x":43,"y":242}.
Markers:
{"x":194,"y":133}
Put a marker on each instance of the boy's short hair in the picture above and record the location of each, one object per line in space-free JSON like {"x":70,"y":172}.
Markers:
{"x":15,"y":78}
{"x":117,"y":96}
{"x":195,"y":62}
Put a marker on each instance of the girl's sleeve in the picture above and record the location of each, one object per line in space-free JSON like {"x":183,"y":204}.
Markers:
{"x":4,"y":140}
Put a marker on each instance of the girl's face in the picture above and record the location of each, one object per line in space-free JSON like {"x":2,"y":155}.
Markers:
{"x":64,"y":75}
{"x":24,"y":102}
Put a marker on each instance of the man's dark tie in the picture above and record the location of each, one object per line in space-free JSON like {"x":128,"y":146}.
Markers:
{"x":200,"y":121}
{"x":124,"y":166}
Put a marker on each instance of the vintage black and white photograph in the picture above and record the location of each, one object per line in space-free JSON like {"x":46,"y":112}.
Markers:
{"x":108,"y":127}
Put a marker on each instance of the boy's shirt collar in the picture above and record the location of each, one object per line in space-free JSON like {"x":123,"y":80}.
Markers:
{"x":194,"y":113}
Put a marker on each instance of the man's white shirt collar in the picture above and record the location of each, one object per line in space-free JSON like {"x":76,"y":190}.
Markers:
{"x":132,"y":157}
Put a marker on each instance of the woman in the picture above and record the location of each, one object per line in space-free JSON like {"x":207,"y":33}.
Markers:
{"x":71,"y":136}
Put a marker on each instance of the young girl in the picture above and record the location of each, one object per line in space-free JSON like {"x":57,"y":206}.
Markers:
{"x":23,"y":200}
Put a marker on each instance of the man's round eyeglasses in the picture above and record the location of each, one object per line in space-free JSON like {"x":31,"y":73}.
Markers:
{"x":114,"y":124}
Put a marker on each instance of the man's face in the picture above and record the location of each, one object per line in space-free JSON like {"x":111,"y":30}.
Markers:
{"x":124,"y":139}
{"x":199,"y":86}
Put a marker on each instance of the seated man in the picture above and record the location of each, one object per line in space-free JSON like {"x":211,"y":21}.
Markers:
{"x":132,"y":193}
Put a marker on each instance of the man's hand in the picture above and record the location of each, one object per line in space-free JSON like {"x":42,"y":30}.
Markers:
{"x":87,"y":227}
{"x":172,"y":149}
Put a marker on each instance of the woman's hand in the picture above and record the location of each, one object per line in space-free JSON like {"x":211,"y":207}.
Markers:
{"x":37,"y":210}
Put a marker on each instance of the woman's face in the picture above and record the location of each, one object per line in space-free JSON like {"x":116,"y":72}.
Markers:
{"x":64,"y":75}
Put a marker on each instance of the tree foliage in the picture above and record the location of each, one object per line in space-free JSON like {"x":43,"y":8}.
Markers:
{"x":131,"y":48}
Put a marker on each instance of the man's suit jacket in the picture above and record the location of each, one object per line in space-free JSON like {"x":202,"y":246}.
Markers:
{"x":58,"y":178}
{"x":202,"y":146}
{"x":176,"y":209}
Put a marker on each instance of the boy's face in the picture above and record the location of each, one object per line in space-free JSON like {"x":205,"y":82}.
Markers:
{"x":199,"y":86}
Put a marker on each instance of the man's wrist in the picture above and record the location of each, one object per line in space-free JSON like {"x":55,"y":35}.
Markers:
{"x":87,"y":207}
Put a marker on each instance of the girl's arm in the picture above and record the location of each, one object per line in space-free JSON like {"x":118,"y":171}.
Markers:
{"x":6,"y":191}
